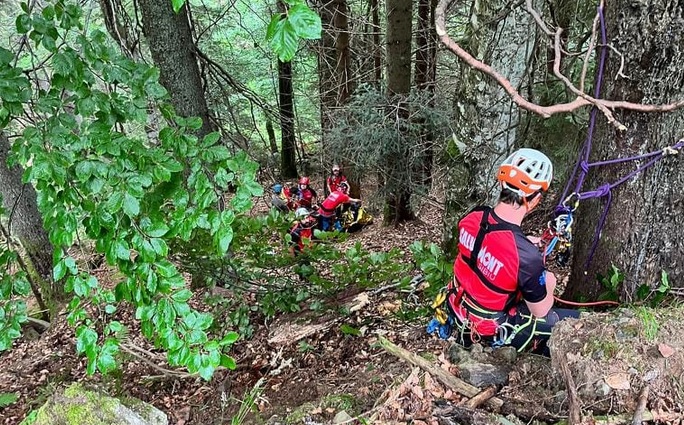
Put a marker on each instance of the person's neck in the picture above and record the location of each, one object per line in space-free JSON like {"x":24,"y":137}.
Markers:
{"x":511,"y":213}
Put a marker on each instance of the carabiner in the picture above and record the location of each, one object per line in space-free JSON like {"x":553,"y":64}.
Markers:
{"x":573,"y":199}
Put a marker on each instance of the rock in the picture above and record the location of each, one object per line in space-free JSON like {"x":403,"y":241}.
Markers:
{"x":484,"y":374}
{"x":79,"y":406}
{"x":458,"y":354}
{"x":507,"y":354}
{"x":342,"y":417}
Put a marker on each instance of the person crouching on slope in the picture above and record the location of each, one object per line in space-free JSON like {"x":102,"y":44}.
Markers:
{"x":328,"y":208}
{"x":302,"y":231}
{"x":501,"y":293}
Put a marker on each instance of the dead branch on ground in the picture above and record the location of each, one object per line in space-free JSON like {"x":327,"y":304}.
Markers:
{"x":443,"y":376}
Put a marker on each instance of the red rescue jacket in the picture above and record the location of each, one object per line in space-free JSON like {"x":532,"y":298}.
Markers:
{"x":334,"y":200}
{"x":494,"y":259}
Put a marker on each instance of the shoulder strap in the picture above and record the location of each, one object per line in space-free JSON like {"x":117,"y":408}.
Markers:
{"x":484,"y":226}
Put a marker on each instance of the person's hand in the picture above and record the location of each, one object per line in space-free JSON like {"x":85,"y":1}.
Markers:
{"x":536,"y":240}
{"x":551,"y":282}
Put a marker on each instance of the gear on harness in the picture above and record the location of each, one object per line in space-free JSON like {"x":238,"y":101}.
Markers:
{"x":558,"y":234}
{"x":440,"y":314}
{"x":443,"y":329}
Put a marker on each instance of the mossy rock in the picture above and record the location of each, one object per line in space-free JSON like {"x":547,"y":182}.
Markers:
{"x":77,"y":405}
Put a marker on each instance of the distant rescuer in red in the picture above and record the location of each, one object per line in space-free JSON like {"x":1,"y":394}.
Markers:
{"x":335,"y":179}
{"x":502,"y":293}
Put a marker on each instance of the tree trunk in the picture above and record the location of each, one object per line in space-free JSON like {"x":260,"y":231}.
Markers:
{"x":425,"y":72}
{"x":486,"y":120}
{"x":398,"y":170}
{"x":25,"y":222}
{"x":327,"y":58}
{"x":377,"y":51}
{"x":642,"y":236}
{"x":288,"y":167}
{"x":272,"y":143}
{"x":170,"y":39}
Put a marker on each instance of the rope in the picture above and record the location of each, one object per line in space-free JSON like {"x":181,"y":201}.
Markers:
{"x":582,"y":166}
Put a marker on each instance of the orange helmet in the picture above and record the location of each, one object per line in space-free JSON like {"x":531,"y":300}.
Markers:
{"x":526,"y":171}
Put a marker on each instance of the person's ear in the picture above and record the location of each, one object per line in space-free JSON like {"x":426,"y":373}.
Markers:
{"x":534,"y":201}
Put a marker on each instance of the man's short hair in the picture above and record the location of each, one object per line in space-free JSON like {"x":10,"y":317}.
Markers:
{"x":511,"y":197}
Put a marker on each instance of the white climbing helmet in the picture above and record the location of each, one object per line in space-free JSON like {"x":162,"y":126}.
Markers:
{"x":301,"y":213}
{"x":526,"y":171}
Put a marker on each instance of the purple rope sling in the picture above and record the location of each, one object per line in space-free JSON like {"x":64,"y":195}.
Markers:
{"x":583,"y":165}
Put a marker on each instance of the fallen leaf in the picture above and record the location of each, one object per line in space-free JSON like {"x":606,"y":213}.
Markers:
{"x":417,"y":391}
{"x":618,"y":381}
{"x":665,"y":350}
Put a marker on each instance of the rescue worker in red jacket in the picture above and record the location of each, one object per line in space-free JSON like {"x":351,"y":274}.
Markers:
{"x":327,"y":211}
{"x":306,"y":195}
{"x":302,"y":231}
{"x":502,"y":294}
{"x":333,"y":181}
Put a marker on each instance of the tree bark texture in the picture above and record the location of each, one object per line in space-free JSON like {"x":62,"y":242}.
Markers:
{"x":334,"y":67}
{"x":399,"y":27}
{"x":170,"y":39}
{"x":288,"y":165}
{"x":377,"y":51}
{"x":486,"y":120}
{"x":425,"y":73}
{"x":644,"y":226}
{"x":25,"y":222}
{"x":397,"y":170}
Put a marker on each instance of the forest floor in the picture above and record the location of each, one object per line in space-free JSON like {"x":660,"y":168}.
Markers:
{"x":329,"y":375}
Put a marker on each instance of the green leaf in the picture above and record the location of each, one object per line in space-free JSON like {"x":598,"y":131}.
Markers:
{"x":86,"y":339}
{"x":131,"y":205}
{"x":8,"y":398}
{"x":182,"y":296}
{"x":59,"y":270}
{"x":229,"y":339}
{"x":105,"y":360}
{"x":305,"y":22}
{"x":160,"y":247}
{"x":157,"y":230}
{"x":121,"y":251}
{"x":6,"y":56}
{"x":23,"y":23}
{"x":223,"y":238}
{"x":284,"y":40}
{"x":228,"y":362}
{"x":206,"y":370}
{"x":177,"y":4}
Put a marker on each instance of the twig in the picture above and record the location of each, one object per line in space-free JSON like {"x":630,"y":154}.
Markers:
{"x":574,"y":415}
{"x":641,"y":406}
{"x":42,"y":323}
{"x":476,"y":401}
{"x":443,"y":376}
{"x":165,"y":372}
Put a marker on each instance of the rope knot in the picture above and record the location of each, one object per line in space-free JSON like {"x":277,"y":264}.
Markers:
{"x":603,"y":190}
{"x":584,"y":165}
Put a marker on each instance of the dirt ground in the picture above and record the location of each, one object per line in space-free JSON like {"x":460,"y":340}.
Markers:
{"x":315,"y":378}
{"x":328,"y":376}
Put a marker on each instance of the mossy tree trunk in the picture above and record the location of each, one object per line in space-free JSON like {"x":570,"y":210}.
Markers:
{"x":644,"y":226}
{"x":486,"y":121}
{"x":26,"y":224}
{"x":173,"y":51}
